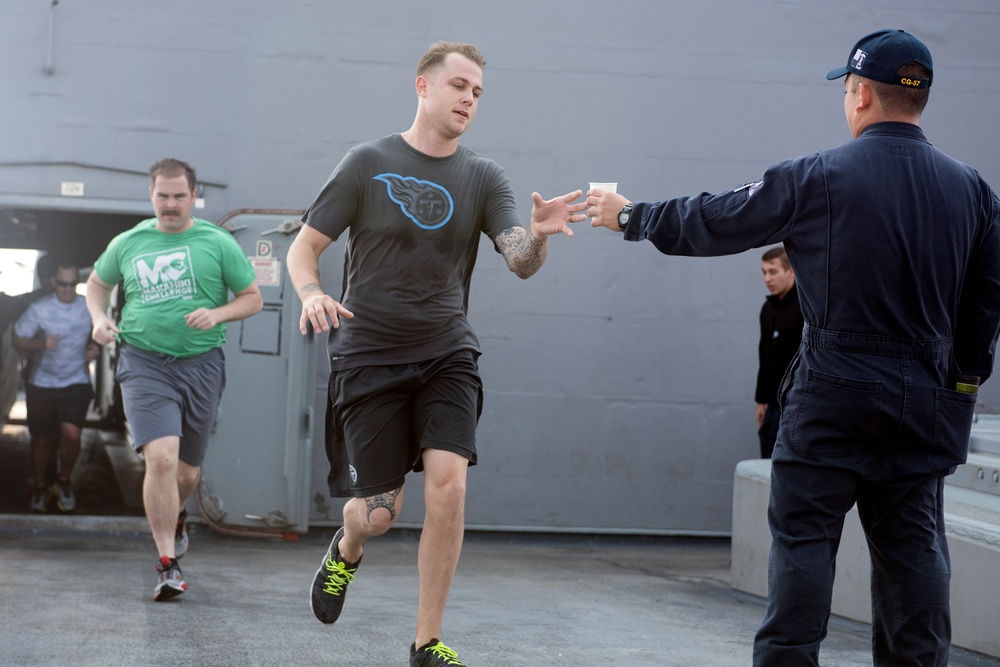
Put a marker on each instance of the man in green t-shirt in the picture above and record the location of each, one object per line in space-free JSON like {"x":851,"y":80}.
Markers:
{"x":177,"y":273}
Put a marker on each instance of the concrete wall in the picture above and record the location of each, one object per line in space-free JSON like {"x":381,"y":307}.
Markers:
{"x":619,"y":382}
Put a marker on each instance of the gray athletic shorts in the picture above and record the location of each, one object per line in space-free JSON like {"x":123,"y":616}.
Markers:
{"x":165,"y":396}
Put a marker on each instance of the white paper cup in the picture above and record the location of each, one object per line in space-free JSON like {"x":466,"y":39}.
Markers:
{"x":607,"y":187}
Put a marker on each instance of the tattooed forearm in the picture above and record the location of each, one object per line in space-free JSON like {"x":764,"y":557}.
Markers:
{"x":310,"y":287}
{"x":386,"y":501}
{"x":524,"y":254}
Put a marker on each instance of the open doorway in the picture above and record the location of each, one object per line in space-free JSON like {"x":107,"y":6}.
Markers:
{"x":107,"y":476}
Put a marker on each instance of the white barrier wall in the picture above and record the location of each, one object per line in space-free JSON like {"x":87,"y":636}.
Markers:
{"x":973,"y":525}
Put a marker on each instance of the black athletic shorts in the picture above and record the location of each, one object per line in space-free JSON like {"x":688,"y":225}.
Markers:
{"x":380,"y":418}
{"x":48,"y":407}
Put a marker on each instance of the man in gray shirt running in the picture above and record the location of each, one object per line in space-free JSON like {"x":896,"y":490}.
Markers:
{"x":405,"y":391}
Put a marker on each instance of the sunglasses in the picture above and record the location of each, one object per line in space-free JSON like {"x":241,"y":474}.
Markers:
{"x":63,"y":283}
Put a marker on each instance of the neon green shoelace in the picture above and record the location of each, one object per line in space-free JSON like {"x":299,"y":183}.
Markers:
{"x":339,"y":577}
{"x":442,"y":651}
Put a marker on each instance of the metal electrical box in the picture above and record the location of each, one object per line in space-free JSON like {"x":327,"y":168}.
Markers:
{"x":256,"y":475}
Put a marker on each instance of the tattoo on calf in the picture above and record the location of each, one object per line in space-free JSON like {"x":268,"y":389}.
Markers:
{"x":386,"y":501}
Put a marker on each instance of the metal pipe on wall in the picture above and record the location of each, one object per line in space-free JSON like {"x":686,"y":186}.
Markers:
{"x":50,"y":68}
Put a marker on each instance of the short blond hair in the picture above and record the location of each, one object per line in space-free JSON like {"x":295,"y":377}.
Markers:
{"x":440,"y":50}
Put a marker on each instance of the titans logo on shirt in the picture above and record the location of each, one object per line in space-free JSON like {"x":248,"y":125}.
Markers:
{"x":165,"y":275}
{"x":427,"y":204}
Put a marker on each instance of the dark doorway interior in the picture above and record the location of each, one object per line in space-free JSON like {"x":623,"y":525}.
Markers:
{"x":107,"y":478}
{"x":79,"y":235}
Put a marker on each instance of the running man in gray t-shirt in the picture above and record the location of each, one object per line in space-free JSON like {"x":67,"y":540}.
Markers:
{"x":405,"y":392}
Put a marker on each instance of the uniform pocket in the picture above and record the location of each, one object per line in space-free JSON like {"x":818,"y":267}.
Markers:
{"x":953,"y":414}
{"x":788,"y":380}
{"x":833,"y":415}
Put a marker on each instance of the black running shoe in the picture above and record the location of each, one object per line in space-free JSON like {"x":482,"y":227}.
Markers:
{"x":171,"y":580}
{"x":330,"y":583}
{"x":433,"y":654}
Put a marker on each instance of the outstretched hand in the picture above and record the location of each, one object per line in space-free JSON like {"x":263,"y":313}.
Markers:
{"x":321,"y":311}
{"x":604,"y":208}
{"x":552,"y":216}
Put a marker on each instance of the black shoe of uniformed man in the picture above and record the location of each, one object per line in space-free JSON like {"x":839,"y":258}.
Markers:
{"x":330,"y":583}
{"x":434,"y":654}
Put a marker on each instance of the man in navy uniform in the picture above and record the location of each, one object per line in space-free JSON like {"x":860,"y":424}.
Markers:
{"x":896,"y":251}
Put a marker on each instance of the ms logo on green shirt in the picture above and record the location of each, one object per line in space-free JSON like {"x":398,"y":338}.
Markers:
{"x":165,"y":275}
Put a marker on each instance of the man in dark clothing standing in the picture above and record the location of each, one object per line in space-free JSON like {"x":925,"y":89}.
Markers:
{"x":896,"y":249}
{"x":780,"y":335}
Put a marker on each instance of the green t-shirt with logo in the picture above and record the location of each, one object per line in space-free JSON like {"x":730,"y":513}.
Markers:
{"x":167,"y":276}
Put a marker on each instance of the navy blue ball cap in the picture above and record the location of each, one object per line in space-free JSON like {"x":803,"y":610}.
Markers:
{"x":879,"y":55}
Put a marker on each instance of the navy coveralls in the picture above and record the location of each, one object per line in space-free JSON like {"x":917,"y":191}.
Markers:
{"x":896,"y":252}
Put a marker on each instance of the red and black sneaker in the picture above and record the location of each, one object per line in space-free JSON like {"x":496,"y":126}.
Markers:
{"x":171,"y":580}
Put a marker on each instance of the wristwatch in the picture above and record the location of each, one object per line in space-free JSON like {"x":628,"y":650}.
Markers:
{"x":624,"y":216}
